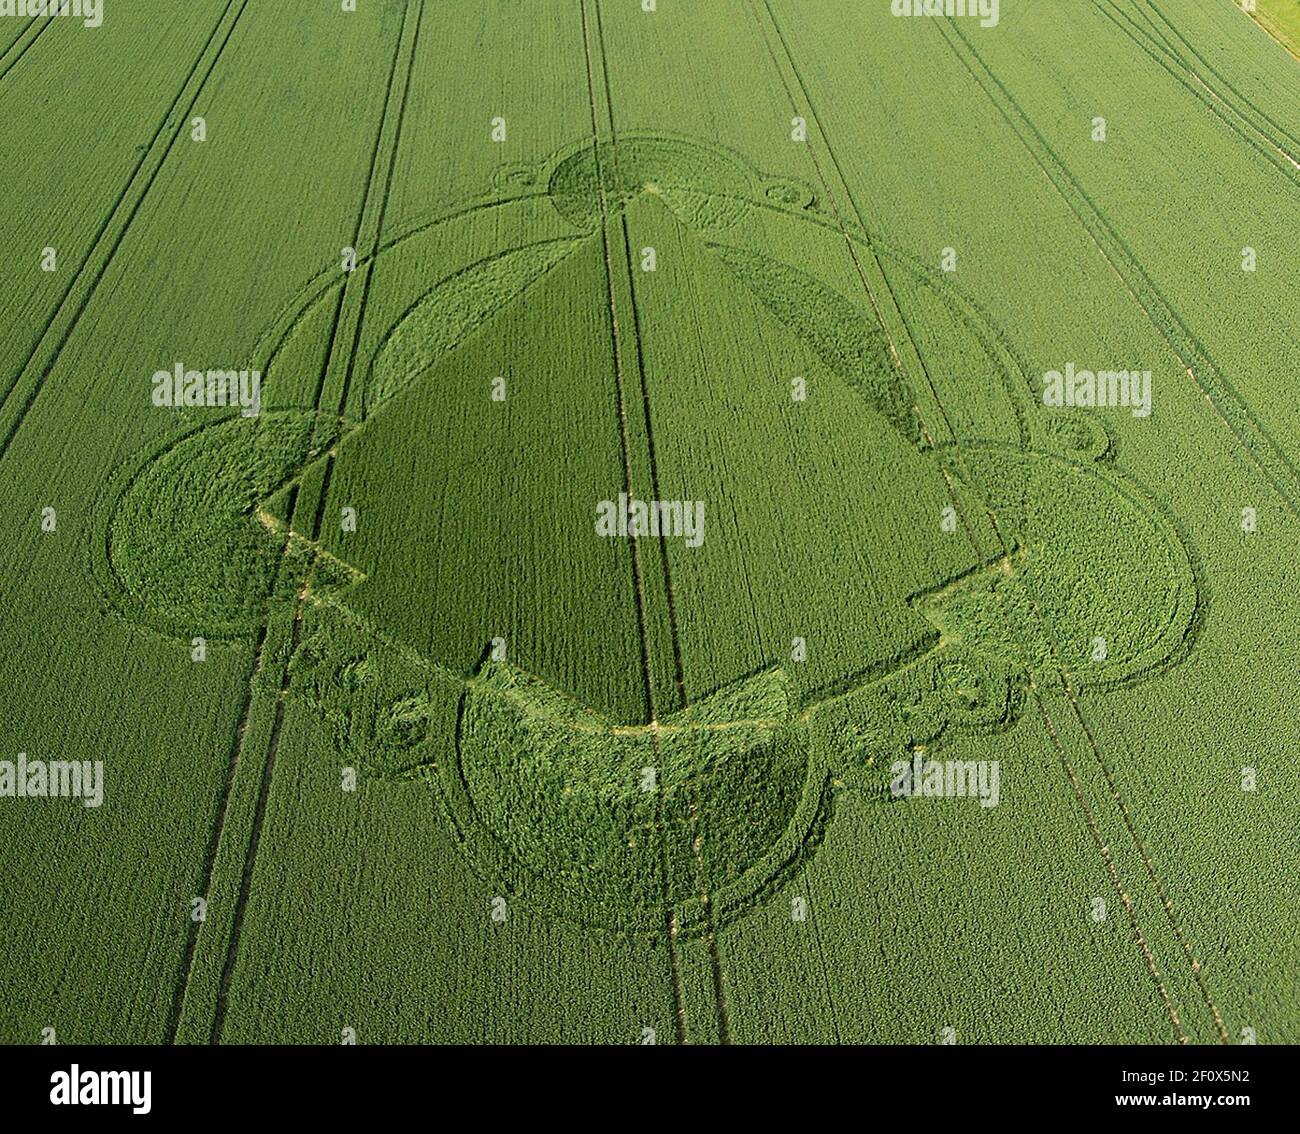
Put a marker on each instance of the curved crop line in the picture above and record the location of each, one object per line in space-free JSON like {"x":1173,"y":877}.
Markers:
{"x":951,"y":490}
{"x":308,"y":298}
{"x":861,"y":272}
{"x":574,"y":243}
{"x":493,"y":862}
{"x":232,"y":942}
{"x":997,"y":529}
{"x":326,"y":280}
{"x":1063,"y":671}
{"x":1263,"y":451}
{"x":112,"y":589}
{"x":1185,"y":589}
{"x":389,"y":161}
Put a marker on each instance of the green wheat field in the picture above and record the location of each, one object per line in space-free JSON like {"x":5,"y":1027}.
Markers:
{"x":616,"y":521}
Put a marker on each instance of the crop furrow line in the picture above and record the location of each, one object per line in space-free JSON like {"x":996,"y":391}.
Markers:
{"x":1062,"y":670}
{"x":833,"y":201}
{"x":670,"y":920}
{"x":710,"y":937}
{"x":950,"y":487}
{"x":18,"y":36}
{"x":1067,"y":686}
{"x":354,"y":327}
{"x":250,"y":857}
{"x":41,"y":370}
{"x":638,"y":588}
{"x":330,"y":355}
{"x":679,"y":675}
{"x":814,"y":917}
{"x":1272,"y":151}
{"x":996,"y":527}
{"x":5,"y":68}
{"x":1116,"y":881}
{"x":1259,"y":448}
{"x":1226,"y":81}
{"x":860,"y":271}
{"x":379,"y":231}
{"x":214,"y":837}
{"x":1165,"y":903}
{"x":678,"y":671}
{"x":619,"y":391}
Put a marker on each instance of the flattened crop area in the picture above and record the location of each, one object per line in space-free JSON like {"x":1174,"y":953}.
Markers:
{"x":615,"y":522}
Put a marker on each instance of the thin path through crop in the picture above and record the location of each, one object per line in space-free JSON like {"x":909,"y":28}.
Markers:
{"x":1238,"y":120}
{"x":1044,"y":157}
{"x":595,"y":57}
{"x":30,"y":378}
{"x":670,"y":921}
{"x":377,"y":186}
{"x":1254,"y":442}
{"x":766,"y":30}
{"x":13,"y":54}
{"x":993,"y":520}
{"x":1157,"y":12}
{"x":407,"y":37}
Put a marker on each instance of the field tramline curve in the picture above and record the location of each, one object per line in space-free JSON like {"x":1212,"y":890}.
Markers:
{"x":1044,"y":630}
{"x":504,"y":711}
